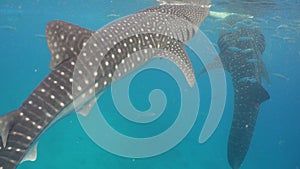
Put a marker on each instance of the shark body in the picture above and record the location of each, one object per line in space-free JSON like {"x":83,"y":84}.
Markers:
{"x":241,"y":46}
{"x":115,"y":50}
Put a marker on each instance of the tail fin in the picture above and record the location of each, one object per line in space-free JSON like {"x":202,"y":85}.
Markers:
{"x":248,"y":96}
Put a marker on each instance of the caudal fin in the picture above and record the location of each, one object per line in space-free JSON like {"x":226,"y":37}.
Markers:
{"x":247,"y":99}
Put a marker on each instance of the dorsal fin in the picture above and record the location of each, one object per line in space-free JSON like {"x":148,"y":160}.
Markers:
{"x":85,"y":109}
{"x":65,"y":40}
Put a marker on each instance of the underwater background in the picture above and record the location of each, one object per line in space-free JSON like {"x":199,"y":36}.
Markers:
{"x":25,"y":60}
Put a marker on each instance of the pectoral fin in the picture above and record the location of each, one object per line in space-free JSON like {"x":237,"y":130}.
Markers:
{"x":86,"y":108}
{"x":31,"y":154}
{"x":177,"y":54}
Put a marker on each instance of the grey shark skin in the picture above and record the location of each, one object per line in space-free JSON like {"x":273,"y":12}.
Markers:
{"x":241,"y":46}
{"x":114,"y":49}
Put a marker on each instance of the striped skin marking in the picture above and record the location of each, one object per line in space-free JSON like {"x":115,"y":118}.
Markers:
{"x":118,"y":51}
{"x":38,"y":110}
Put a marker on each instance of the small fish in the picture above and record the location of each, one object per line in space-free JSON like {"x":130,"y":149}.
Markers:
{"x":276,"y":18}
{"x":112,"y":15}
{"x":40,"y":36}
{"x":8,"y":27}
{"x":281,"y":76}
{"x":287,"y":38}
{"x":282,"y":26}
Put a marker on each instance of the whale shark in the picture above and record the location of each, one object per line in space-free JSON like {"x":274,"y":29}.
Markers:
{"x":241,"y":46}
{"x":85,"y":62}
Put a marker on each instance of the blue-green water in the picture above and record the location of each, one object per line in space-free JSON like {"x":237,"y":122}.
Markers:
{"x":25,"y":62}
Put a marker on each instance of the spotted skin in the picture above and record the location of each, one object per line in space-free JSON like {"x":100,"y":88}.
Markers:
{"x":237,"y":48}
{"x":177,"y":22}
{"x":86,"y":62}
{"x":65,"y":40}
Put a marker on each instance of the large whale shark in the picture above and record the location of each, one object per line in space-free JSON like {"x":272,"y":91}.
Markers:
{"x":241,"y":46}
{"x":116,"y":49}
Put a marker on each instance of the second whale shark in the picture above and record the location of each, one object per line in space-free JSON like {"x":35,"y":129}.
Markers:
{"x":241,"y":45}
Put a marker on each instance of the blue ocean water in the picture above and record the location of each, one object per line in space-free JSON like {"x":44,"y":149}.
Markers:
{"x":275,"y":144}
